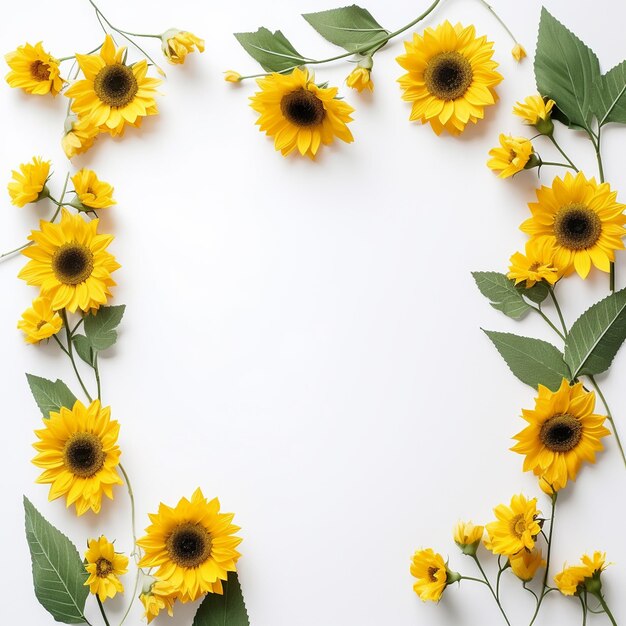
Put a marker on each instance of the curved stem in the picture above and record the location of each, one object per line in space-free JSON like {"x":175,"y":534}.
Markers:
{"x":493,"y":593}
{"x":104,"y":615}
{"x":558,"y":309}
{"x":506,"y":28}
{"x":584,"y":607}
{"x":476,"y":580}
{"x":10,"y":252}
{"x":125,"y":32}
{"x":70,"y":353}
{"x":548,"y":321}
{"x":556,"y":145}
{"x":132,"y":597}
{"x":604,"y":605}
{"x":571,"y":167}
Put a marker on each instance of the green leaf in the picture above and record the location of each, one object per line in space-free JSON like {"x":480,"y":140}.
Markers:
{"x":228,"y":609}
{"x":533,"y":361}
{"x":596,"y":336}
{"x":100,"y":328}
{"x":50,"y":396}
{"x":610,"y":96}
{"x":83,"y":348}
{"x":502,"y":293}
{"x":566,"y":70}
{"x":58,"y":572}
{"x":351,"y":27}
{"x":537,"y":293}
{"x":272,"y":50}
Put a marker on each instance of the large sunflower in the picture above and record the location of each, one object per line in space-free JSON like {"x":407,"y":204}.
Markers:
{"x":451,"y":77}
{"x":192,"y":546}
{"x":70,"y":264}
{"x":584,"y":220}
{"x":300,"y":115}
{"x":112,"y":93}
{"x":34,"y":70}
{"x":79,"y":454}
{"x":562,"y":432}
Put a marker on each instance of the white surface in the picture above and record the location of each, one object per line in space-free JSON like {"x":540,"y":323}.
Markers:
{"x":302,"y":339}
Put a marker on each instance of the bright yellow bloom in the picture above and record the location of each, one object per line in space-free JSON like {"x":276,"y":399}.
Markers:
{"x":79,"y":136}
{"x":104,"y":566}
{"x":562,"y":432}
{"x":534,"y":109}
{"x":92,"y":192}
{"x":432,"y":575}
{"x":177,"y":44}
{"x":232,"y":77}
{"x":40,"y":321}
{"x":360,"y":78}
{"x":518,"y":52}
{"x":571,"y":580}
{"x":70,"y":264}
{"x":451,"y":77}
{"x":536,"y":265}
{"x":28,"y":184}
{"x":511,"y":157}
{"x":79,"y":454}
{"x":34,"y":70}
{"x":525,"y":564}
{"x":300,"y":115}
{"x":192,"y":546}
{"x":160,"y":597}
{"x":467,"y":536}
{"x":582,"y":218}
{"x":516,"y":526}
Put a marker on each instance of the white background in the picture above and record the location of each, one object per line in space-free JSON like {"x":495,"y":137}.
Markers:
{"x":303,"y":339}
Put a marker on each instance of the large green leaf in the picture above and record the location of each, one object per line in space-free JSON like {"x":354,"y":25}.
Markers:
{"x":352,"y":28}
{"x":272,"y":50}
{"x":50,"y":396}
{"x":228,"y":609}
{"x":566,"y":70}
{"x":537,"y":293}
{"x":595,"y":337}
{"x":610,"y":96}
{"x":502,"y":293}
{"x":58,"y":573}
{"x":100,"y":327}
{"x":533,"y":361}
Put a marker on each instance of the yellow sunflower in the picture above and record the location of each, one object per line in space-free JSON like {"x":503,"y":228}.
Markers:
{"x":536,"y":112}
{"x":514,"y":155}
{"x":177,"y":44}
{"x":516,"y":526}
{"x":113,"y":94}
{"x":525,"y":564}
{"x":78,"y":452}
{"x":104,"y":566}
{"x":562,"y":432}
{"x":360,"y":78}
{"x":300,"y":115}
{"x":451,"y":77}
{"x":570,"y":580}
{"x":582,"y":218}
{"x":79,"y":136}
{"x":40,"y":321}
{"x":29,"y":184}
{"x":70,"y":264}
{"x":432,"y":575}
{"x":92,"y":192}
{"x":468,"y":536}
{"x":159,"y":597}
{"x":34,"y":70}
{"x":192,"y":546}
{"x":536,"y":265}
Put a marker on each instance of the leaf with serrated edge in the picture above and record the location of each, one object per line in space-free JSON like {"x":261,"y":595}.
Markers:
{"x":49,"y":395}
{"x":537,"y":293}
{"x":228,"y":609}
{"x":610,"y":96}
{"x":502,"y":293}
{"x":272,"y":50}
{"x":100,"y":328}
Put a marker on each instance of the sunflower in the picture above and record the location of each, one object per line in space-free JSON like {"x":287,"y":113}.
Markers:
{"x":70,"y":264}
{"x":34,"y":70}
{"x":159,"y":597}
{"x":467,"y":537}
{"x":562,"y":432}
{"x":177,"y":44}
{"x":300,"y":115}
{"x":525,"y":564}
{"x":40,"y":321}
{"x":79,"y":136}
{"x":360,"y":78}
{"x":536,"y":265}
{"x":192,"y":546}
{"x":582,"y":218}
{"x":516,"y":526}
{"x":572,"y":580}
{"x":92,"y":192}
{"x":536,"y":112}
{"x":113,"y":94}
{"x":104,"y":565}
{"x":451,"y":77}
{"x":514,"y":155}
{"x":78,"y":452}
{"x":432,"y":575}
{"x":29,"y":184}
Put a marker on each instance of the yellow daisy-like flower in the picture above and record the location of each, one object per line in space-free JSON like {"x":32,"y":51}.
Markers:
{"x":467,"y":536}
{"x":534,"y":109}
{"x":451,"y":77}
{"x":29,"y":184}
{"x":518,"y":52}
{"x":516,"y":526}
{"x":34,"y":70}
{"x":300,"y":115}
{"x":70,"y":264}
{"x":104,"y":565}
{"x":79,"y":136}
{"x":113,"y":94}
{"x":78,"y":452}
{"x":92,"y":192}
{"x":571,"y":580}
{"x":192,"y":546}
{"x":40,"y":321}
{"x":161,"y":596}
{"x":562,"y":432}
{"x":525,"y":564}
{"x":432,"y":575}
{"x":231,"y":76}
{"x":360,"y":78}
{"x":177,"y":44}
{"x":536,"y":265}
{"x":513,"y":155}
{"x":582,"y":218}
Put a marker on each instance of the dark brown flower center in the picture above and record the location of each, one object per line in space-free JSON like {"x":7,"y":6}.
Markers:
{"x":72,"y":263}
{"x":577,"y":227}
{"x":432,"y":573}
{"x":448,"y":75}
{"x":189,"y":544}
{"x":116,"y":85}
{"x":104,"y":567}
{"x":303,"y":108}
{"x":561,"y":433}
{"x":84,"y":455}
{"x":40,"y":70}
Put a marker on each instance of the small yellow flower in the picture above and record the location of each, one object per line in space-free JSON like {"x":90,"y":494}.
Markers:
{"x":159,"y":597}
{"x":536,"y":112}
{"x":232,"y":77}
{"x":79,"y":136}
{"x":28,"y":185}
{"x":40,"y":321}
{"x":92,"y":192}
{"x":525,"y":564}
{"x":516,"y":526}
{"x":570,"y":580}
{"x":34,"y":70}
{"x":177,"y":44}
{"x":512,"y":156}
{"x":360,"y":78}
{"x":467,"y":537}
{"x":518,"y":52}
{"x":432,"y":575}
{"x":536,"y":265}
{"x":104,"y":566}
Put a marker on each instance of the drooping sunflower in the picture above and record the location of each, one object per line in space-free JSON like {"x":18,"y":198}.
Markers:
{"x":104,"y":566}
{"x":192,"y":545}
{"x":78,"y":452}
{"x":360,"y":78}
{"x":512,"y":156}
{"x":432,"y":575}
{"x":34,"y":70}
{"x":40,"y":321}
{"x":570,"y":580}
{"x":536,"y":264}
{"x":159,"y":597}
{"x":177,"y":44}
{"x":300,"y":115}
{"x":582,"y":218}
{"x":516,"y":526}
{"x":29,"y":184}
{"x":562,"y":432}
{"x":451,"y":77}
{"x":70,"y":264}
{"x":525,"y":564}
{"x":79,"y":136}
{"x":92,"y":192}
{"x":113,"y":94}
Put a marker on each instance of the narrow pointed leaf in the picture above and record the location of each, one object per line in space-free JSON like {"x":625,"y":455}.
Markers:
{"x":100,"y":328}
{"x":228,"y":609}
{"x":49,"y":395}
{"x":610,"y":96}
{"x":502,"y":293}
{"x":272,"y":50}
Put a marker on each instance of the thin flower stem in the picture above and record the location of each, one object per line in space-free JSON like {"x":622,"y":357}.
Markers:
{"x":70,"y":353}
{"x":584,"y":607}
{"x":530,"y":590}
{"x":558,"y":309}
{"x":556,"y":145}
{"x":10,"y":252}
{"x":476,"y":580}
{"x":60,"y":344}
{"x":506,"y":28}
{"x":133,"y":596}
{"x":104,"y":615}
{"x":493,"y":593}
{"x":97,"y":373}
{"x":78,"y":324}
{"x":548,"y":321}
{"x":125,"y":32}
{"x":604,"y":605}
{"x":571,"y":167}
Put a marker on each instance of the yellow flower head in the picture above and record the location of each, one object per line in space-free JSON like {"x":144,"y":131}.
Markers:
{"x":161,"y":596}
{"x":516,"y":526}
{"x":232,"y":77}
{"x":467,"y":537}
{"x":518,"y":52}
{"x":78,"y":452}
{"x":28,"y":185}
{"x":104,"y":565}
{"x":34,"y":70}
{"x":92,"y":192}
{"x":536,"y":112}
{"x":536,"y":265}
{"x":562,"y":432}
{"x":513,"y":155}
{"x":300,"y":115}
{"x":177,"y":44}
{"x":582,"y":218}
{"x":40,"y":321}
{"x":432,"y":575}
{"x":451,"y":77}
{"x":525,"y":564}
{"x":360,"y":78}
{"x":79,"y":136}
{"x":572,"y":580}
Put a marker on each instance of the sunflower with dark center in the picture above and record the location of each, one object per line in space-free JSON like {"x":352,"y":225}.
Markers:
{"x":536,"y":265}
{"x":113,"y":94}
{"x":192,"y":545}
{"x":104,"y":566}
{"x":300,"y":115}
{"x":562,"y":432}
{"x":582,"y":218}
{"x":34,"y":70}
{"x":77,"y":449}
{"x":451,"y":77}
{"x":515,"y":527}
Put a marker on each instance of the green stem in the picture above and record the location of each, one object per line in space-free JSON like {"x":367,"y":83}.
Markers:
{"x":125,"y":32}
{"x":10,"y":252}
{"x":70,"y":353}
{"x":548,"y":321}
{"x":506,"y":28}
{"x":97,"y":373}
{"x":104,"y":615}
{"x":476,"y":580}
{"x":584,"y":607}
{"x":493,"y":593}
{"x":571,"y":167}
{"x":604,"y":605}
{"x":133,"y":596}
{"x":556,"y":145}
{"x":558,"y":309}
{"x":609,"y":416}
